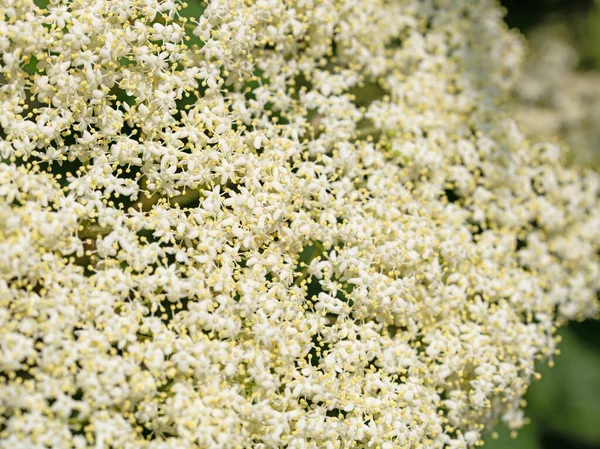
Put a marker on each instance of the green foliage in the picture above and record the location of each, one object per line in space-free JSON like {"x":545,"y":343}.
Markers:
{"x":566,"y":400}
{"x":592,"y":42}
{"x":526,"y":438}
{"x":569,"y":401}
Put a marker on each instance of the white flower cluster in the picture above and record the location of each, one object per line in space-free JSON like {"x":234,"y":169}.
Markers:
{"x":281,"y":224}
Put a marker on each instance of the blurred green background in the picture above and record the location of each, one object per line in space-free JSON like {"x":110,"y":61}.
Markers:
{"x":564,"y":406}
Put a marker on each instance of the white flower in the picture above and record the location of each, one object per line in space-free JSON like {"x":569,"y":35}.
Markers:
{"x":307,"y":225}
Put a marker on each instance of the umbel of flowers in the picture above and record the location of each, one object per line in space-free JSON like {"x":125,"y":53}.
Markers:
{"x":275,"y":224}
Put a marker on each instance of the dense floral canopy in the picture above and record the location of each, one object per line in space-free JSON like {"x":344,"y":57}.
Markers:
{"x":275,"y":224}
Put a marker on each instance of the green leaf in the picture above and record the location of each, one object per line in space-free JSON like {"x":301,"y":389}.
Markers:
{"x":194,"y":9}
{"x":526,"y":438}
{"x":567,"y":398}
{"x":594,"y":46}
{"x":31,"y":66}
{"x":42,"y":4}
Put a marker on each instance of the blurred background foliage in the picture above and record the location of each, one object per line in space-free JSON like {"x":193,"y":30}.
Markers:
{"x":559,"y":98}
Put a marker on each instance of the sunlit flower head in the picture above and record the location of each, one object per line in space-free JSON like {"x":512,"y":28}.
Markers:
{"x":275,"y":224}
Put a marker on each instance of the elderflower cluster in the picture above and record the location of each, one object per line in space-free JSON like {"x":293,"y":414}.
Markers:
{"x":275,"y":223}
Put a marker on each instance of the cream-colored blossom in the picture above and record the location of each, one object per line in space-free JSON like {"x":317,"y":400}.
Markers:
{"x":301,"y":224}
